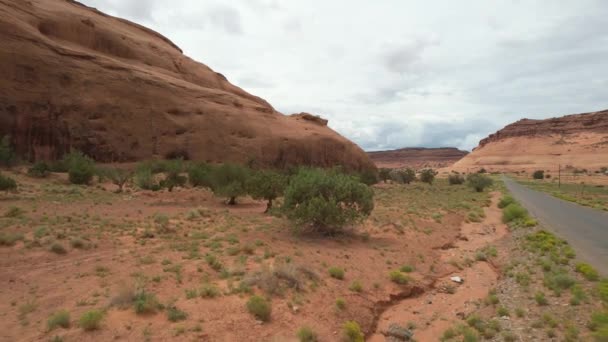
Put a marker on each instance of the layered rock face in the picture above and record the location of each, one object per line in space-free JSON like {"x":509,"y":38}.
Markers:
{"x":75,"y":78}
{"x":417,"y":157}
{"x":579,"y":140}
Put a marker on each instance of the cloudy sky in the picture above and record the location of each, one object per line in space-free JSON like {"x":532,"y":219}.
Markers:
{"x":396,"y":73}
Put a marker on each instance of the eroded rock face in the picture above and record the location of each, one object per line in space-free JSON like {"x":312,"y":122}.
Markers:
{"x":75,"y":78}
{"x":417,"y":157}
{"x":572,"y":141}
{"x":570,"y":124}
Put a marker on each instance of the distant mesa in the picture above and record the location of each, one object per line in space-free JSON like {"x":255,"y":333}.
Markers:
{"x":577,"y":141}
{"x":417,"y":157}
{"x":75,"y":78}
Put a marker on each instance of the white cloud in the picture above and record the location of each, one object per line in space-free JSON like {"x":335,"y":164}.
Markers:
{"x":394,"y":73}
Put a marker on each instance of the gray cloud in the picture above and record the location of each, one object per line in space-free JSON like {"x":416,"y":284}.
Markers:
{"x":398,"y":73}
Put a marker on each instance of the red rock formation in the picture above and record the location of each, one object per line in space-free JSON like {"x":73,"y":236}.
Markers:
{"x":417,"y":157}
{"x":75,"y":78}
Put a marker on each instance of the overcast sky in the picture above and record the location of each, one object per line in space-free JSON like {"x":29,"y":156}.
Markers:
{"x":397,"y":73}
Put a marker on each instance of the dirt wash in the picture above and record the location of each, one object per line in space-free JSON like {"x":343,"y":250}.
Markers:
{"x":435,"y":310}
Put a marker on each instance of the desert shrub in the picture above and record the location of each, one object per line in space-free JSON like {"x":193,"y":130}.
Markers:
{"x":267,"y":185}
{"x":39,"y":170}
{"x":209,"y":291}
{"x":513,"y":212}
{"x":59,"y":319}
{"x":538,"y":174}
{"x":173,"y":177}
{"x":7,"y":155}
{"x":306,"y":334}
{"x":505,"y":201}
{"x":336,"y":272}
{"x":408,"y":175}
{"x":229,"y":180}
{"x":482,"y":170}
{"x":259,"y":307}
{"x":145,"y":303}
{"x":10,"y":239}
{"x":91,"y":320}
{"x":356,"y":286}
{"x":479,"y":182}
{"x":407,"y":269}
{"x":340,"y":304}
{"x":352,"y":332}
{"x":540,"y":299}
{"x":427,"y":176}
{"x":199,"y":175}
{"x":598,"y":320}
{"x":144,"y":178}
{"x":455,"y":179}
{"x":7,"y":184}
{"x":368,"y":177}
{"x":326,"y":201}
{"x":587,"y":271}
{"x":118,"y":177}
{"x":175,"y":315}
{"x":384,"y":174}
{"x":81,"y":168}
{"x":399,"y":278}
{"x":58,"y":248}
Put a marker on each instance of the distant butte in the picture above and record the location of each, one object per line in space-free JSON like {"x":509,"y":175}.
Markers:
{"x":417,"y":157}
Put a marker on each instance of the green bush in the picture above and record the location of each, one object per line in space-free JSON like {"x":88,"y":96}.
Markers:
{"x":326,"y":201}
{"x":7,"y":156}
{"x":173,"y":178}
{"x":403,"y":176}
{"x":455,"y":179}
{"x":587,"y":271}
{"x":306,"y":334}
{"x":336,"y":272}
{"x":398,"y":277}
{"x":199,"y":175}
{"x":145,"y":303}
{"x":352,"y":332}
{"x":259,"y":307}
{"x":7,"y":184}
{"x":118,"y":177}
{"x":175,"y":315}
{"x":267,"y":185}
{"x":427,"y":176}
{"x":229,"y":180}
{"x":144,"y":178}
{"x":59,"y":319}
{"x":58,"y":248}
{"x":513,"y":212}
{"x":479,"y":182}
{"x":505,"y":201}
{"x":538,"y":174}
{"x":91,"y":320}
{"x":81,"y":168}
{"x":39,"y":170}
{"x":540,"y":299}
{"x":368,"y":177}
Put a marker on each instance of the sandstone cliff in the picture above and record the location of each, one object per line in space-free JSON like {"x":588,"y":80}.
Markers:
{"x":579,"y":140}
{"x":417,"y":157}
{"x":75,"y":78}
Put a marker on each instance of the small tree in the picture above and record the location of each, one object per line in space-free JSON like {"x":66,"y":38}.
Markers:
{"x":408,"y":175}
{"x":144,"y":177}
{"x":267,"y":185}
{"x":479,"y":182}
{"x":538,"y":174}
{"x":427,"y":176}
{"x":173,"y":177}
{"x":326,"y":201}
{"x":7,"y":184}
{"x":81,"y":168}
{"x":229,"y":180}
{"x":7,"y":156}
{"x":384,"y":174}
{"x":118,"y":177}
{"x":199,"y":175}
{"x":455,"y":179}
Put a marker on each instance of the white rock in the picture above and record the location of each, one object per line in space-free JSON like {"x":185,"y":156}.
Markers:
{"x":457,"y":279}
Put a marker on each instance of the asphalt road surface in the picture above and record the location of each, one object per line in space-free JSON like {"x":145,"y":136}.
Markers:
{"x":586,"y":229}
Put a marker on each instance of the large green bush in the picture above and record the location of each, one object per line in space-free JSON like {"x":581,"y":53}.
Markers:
{"x":369,"y":177}
{"x":145,"y":179}
{"x":81,"y":168}
{"x":39,"y":170}
{"x":267,"y":185}
{"x":229,"y":180}
{"x":7,"y":183}
{"x":199,"y":175}
{"x":173,"y":178}
{"x":513,"y":212}
{"x":7,"y":156}
{"x":326,"y":201}
{"x":384,"y":174}
{"x":427,"y":176}
{"x":479,"y":182}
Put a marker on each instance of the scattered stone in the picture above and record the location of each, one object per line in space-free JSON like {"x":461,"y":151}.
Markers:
{"x":457,"y":279}
{"x":397,"y":333}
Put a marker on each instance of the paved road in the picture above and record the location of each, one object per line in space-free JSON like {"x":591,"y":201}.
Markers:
{"x":585,"y":229}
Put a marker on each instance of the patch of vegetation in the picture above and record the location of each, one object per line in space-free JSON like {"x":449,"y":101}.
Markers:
{"x":175,"y":315}
{"x":587,"y":271}
{"x":58,"y":248}
{"x":404,"y":176}
{"x":513,"y":212}
{"x":340,"y":304}
{"x":427,"y":176}
{"x":91,"y":320}
{"x":7,"y":184}
{"x":455,"y":179}
{"x":118,"y":177}
{"x":199,"y":175}
{"x":145,"y":303}
{"x":39,"y":170}
{"x":306,"y":334}
{"x":505,"y":201}
{"x":260,"y":308}
{"x":352,"y":332}
{"x":7,"y":155}
{"x":81,"y":168}
{"x":326,"y":201}
{"x":540,"y":299}
{"x":479,"y":182}
{"x":173,"y":177}
{"x":356,"y":286}
{"x":229,"y":180}
{"x":267,"y":185}
{"x":399,"y":278}
{"x":59,"y":319}
{"x":336,"y":272}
